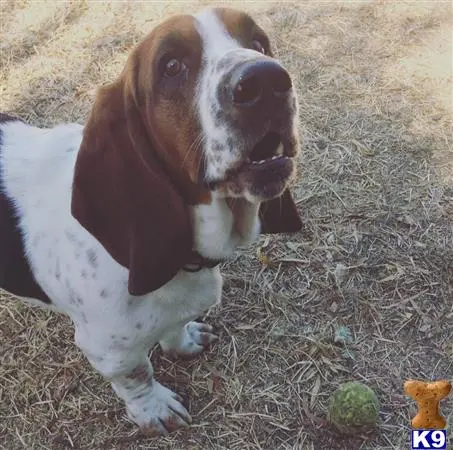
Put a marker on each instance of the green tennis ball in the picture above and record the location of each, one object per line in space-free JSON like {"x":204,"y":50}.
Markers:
{"x":354,"y":408}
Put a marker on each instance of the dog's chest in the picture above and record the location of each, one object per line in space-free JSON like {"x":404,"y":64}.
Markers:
{"x":186,"y":296}
{"x":218,"y":231}
{"x":214,"y":230}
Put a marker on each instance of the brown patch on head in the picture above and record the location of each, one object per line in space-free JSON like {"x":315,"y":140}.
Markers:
{"x":167,"y":102}
{"x":243,"y":28}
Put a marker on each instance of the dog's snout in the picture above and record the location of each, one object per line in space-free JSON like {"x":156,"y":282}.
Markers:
{"x":256,"y":80}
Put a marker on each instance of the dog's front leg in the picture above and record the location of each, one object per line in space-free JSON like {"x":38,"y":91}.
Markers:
{"x":149,"y":404}
{"x":153,"y":407}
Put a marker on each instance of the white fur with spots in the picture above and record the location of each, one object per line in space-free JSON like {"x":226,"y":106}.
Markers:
{"x":114,"y":329}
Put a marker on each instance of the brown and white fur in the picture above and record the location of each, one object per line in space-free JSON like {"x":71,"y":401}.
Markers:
{"x":184,"y":158}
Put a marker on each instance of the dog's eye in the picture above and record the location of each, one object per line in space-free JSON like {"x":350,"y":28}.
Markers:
{"x":173,"y":67}
{"x":258,"y":46}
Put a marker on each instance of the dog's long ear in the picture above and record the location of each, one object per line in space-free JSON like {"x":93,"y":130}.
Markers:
{"x":280,"y":215}
{"x":123,"y":196}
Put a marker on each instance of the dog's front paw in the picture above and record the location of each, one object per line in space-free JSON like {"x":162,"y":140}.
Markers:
{"x":159,"y":412}
{"x":194,"y":338}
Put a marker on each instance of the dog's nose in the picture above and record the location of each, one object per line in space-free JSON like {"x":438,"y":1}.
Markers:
{"x":257,"y":80}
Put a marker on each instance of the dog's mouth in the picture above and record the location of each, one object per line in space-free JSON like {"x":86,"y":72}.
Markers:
{"x":267,"y":169}
{"x":268,"y":149}
{"x":268,"y":154}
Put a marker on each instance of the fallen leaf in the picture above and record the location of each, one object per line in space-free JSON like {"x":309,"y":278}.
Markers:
{"x":263,"y":259}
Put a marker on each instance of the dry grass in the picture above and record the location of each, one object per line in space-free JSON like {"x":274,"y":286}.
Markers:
{"x":376,"y":195}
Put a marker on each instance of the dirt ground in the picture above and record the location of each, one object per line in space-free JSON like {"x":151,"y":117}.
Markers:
{"x":364,"y":293}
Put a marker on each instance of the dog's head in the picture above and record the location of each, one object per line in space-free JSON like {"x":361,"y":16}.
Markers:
{"x":219,"y":104}
{"x":246,"y":106}
{"x":201,"y":109}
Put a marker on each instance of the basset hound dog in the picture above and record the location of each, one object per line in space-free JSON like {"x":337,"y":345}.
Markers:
{"x":121,"y":224}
